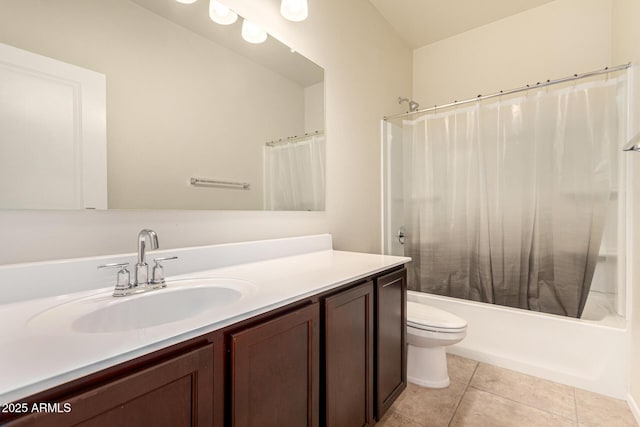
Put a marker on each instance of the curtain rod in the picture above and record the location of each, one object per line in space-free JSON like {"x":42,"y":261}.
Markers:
{"x":292,"y":138}
{"x":516,"y":90}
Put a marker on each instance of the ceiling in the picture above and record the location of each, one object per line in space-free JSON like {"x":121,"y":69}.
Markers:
{"x":421,"y":22}
{"x":271,"y":54}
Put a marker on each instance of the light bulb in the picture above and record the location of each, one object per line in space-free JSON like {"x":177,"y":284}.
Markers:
{"x":186,"y":1}
{"x":294,"y":10}
{"x":252,"y":33}
{"x":221,"y":14}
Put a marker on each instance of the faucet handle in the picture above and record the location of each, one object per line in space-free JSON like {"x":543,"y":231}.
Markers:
{"x":157,"y":260}
{"x":158,"y":270}
{"x":123,"y":282}
{"x":114,"y":265}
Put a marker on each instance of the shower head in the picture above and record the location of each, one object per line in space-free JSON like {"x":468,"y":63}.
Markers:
{"x":413,"y":105}
{"x":633,"y":144}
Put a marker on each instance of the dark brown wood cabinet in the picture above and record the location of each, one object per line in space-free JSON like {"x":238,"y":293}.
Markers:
{"x":391,"y":339}
{"x":337,"y":358}
{"x":348,"y":362}
{"x":176,"y":392}
{"x":275,"y":375}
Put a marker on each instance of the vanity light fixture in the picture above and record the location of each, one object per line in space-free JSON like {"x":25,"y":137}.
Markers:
{"x":294,"y":10}
{"x":253,"y":33}
{"x":221,"y":14}
{"x":186,"y":1}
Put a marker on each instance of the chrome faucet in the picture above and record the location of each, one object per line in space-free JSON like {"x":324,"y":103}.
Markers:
{"x":141,"y":280}
{"x":141,"y":276}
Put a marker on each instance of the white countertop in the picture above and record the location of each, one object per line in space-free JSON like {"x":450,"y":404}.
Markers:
{"x":35,"y":358}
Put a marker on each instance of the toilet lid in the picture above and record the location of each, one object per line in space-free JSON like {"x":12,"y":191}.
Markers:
{"x":423,"y":316}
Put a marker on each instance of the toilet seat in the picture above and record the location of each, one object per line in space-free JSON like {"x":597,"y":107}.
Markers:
{"x":433,"y":319}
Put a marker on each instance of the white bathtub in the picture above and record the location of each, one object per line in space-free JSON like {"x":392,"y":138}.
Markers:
{"x":587,"y":354}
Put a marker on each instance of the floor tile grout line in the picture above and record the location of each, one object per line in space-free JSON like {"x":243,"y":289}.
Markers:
{"x":467,"y":385}
{"x":575,"y":406}
{"x":453,"y":413}
{"x":522,"y":403}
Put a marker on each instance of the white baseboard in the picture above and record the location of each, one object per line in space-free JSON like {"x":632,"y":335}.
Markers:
{"x":635,"y":408}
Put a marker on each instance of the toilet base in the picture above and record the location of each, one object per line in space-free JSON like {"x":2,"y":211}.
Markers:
{"x":427,"y":366}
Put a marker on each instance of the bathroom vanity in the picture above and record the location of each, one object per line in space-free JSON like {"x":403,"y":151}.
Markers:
{"x":318,"y":338}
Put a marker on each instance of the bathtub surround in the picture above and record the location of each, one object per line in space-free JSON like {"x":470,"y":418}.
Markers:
{"x":553,"y":347}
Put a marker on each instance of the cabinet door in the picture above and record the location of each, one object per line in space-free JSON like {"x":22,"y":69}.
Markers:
{"x":275,"y":371}
{"x":177,"y":392}
{"x":391,"y":339}
{"x":349,"y":357}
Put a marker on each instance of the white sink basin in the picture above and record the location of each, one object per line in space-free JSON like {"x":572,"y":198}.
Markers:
{"x":180,"y":300}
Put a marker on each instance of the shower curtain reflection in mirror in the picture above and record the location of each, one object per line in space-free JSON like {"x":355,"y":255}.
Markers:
{"x":506,"y":202}
{"x":294,"y":173}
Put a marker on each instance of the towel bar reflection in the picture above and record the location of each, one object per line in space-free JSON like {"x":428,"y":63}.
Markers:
{"x":218,"y":183}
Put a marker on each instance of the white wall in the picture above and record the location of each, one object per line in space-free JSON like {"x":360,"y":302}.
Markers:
{"x":554,"y":40}
{"x":626,"y":47}
{"x":176,"y":101}
{"x":314,"y":108}
{"x":366,"y":67}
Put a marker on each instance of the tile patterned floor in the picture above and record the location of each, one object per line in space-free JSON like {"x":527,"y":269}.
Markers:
{"x":482,"y":395}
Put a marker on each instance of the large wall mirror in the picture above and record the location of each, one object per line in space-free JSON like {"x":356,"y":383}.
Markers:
{"x":149,"y":104}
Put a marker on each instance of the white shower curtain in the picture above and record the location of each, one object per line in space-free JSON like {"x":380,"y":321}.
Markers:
{"x":294,"y":175}
{"x":505,"y":201}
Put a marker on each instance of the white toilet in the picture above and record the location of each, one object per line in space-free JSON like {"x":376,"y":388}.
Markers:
{"x":429,"y":331}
